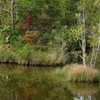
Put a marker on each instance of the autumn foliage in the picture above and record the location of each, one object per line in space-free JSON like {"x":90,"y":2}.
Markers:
{"x":31,"y":37}
{"x":27,"y":23}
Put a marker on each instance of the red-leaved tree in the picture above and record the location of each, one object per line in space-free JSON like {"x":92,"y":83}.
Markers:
{"x":27,"y":23}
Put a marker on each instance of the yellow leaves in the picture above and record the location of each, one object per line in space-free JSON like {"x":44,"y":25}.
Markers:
{"x":97,"y":2}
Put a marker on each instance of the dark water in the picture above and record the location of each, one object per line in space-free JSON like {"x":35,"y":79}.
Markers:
{"x":38,"y":83}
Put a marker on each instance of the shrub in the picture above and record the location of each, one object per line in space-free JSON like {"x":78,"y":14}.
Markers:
{"x":31,"y":38}
{"x":27,"y":23}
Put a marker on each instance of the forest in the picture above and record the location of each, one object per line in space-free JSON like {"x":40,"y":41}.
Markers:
{"x":50,"y":32}
{"x":49,"y":49}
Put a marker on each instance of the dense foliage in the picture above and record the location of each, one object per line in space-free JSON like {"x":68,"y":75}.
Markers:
{"x":27,"y":23}
{"x":52,"y":32}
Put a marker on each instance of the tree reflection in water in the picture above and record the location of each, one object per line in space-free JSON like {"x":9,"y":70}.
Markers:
{"x":83,"y":91}
{"x":29,"y":83}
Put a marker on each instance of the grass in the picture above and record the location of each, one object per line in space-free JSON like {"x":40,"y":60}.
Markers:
{"x":27,"y":55}
{"x":79,"y":73}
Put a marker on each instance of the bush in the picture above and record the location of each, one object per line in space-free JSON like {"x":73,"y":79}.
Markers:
{"x":31,"y":38}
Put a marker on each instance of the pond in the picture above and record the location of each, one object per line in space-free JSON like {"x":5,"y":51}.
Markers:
{"x":37,"y":83}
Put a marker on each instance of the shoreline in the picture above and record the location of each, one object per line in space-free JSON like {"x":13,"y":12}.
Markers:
{"x":44,"y":65}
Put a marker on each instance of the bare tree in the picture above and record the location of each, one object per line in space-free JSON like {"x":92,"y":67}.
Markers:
{"x":82,"y":18}
{"x":83,"y":37}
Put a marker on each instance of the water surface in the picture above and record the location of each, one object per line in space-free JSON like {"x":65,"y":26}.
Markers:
{"x":38,"y":83}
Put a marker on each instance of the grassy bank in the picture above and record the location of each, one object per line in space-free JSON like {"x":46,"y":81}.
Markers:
{"x":27,"y":55}
{"x":78,"y":73}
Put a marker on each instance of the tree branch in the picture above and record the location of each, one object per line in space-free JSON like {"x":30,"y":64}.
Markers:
{"x":5,"y":10}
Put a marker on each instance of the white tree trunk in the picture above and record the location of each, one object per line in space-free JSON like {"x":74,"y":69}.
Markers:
{"x":12,"y":14}
{"x":83,"y":38}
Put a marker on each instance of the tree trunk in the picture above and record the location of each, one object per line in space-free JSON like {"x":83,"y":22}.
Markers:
{"x":83,"y":38}
{"x":98,"y":47}
{"x":92,"y":57}
{"x":12,"y":14}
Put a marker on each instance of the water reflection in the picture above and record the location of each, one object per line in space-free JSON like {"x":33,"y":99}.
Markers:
{"x":85,"y":91}
{"x":37,"y":83}
{"x":80,"y":97}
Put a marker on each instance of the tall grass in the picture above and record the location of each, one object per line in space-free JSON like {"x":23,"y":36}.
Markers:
{"x":79,"y":73}
{"x":28,"y":55}
{"x":6,"y":55}
{"x":83,"y":74}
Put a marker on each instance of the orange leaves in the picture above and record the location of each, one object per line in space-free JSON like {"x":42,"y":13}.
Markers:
{"x":31,"y":38}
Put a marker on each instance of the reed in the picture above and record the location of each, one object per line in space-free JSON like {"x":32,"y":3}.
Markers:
{"x":79,"y":73}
